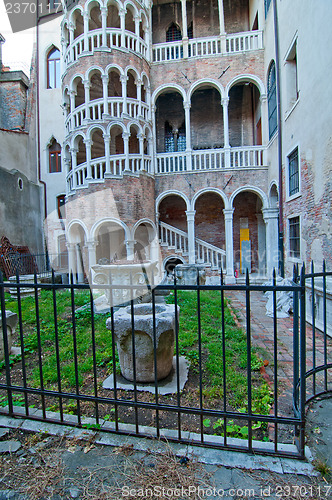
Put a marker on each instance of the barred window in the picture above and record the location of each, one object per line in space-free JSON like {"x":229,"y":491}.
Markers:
{"x":272,"y":99}
{"x":294,"y":237}
{"x":293,"y":173}
{"x":173,"y":33}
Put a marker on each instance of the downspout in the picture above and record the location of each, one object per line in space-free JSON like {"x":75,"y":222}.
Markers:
{"x":279,"y":126}
{"x":38,"y":117}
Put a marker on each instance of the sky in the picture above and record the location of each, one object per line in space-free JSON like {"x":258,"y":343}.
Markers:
{"x":18,"y":46}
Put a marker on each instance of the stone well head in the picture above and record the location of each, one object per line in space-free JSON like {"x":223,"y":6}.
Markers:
{"x":141,"y":334}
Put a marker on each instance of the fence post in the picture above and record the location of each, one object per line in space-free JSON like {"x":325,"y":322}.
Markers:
{"x":296,"y":386}
{"x":302,"y":363}
{"x":5,"y":345}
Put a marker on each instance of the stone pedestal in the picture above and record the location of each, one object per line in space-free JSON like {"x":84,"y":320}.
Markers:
{"x":11,"y":321}
{"x":144,"y":340}
{"x":186,"y":274}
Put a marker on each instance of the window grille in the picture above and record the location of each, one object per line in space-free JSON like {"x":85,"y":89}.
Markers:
{"x":272,"y":100}
{"x":293,"y":172}
{"x":173,"y":33}
{"x":294,"y":237}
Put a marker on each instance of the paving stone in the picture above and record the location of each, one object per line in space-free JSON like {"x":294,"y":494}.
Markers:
{"x":9,"y":446}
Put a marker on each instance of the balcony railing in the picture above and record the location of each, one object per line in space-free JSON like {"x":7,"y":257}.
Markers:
{"x":114,"y":38}
{"x":211,"y":46}
{"x":209,"y":159}
{"x":134,"y":109}
{"x":99,"y":169}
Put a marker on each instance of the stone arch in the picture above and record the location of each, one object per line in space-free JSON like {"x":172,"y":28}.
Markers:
{"x":96,"y":84}
{"x":172,"y":211}
{"x":273,"y":195}
{"x":93,"y":8}
{"x":249,"y":234}
{"x":206,"y":82}
{"x":172,"y":192}
{"x":110,"y":235}
{"x":209,"y":218}
{"x":246,"y":77}
{"x":113,"y":14}
{"x":78,"y":21}
{"x":170,"y":121}
{"x":144,"y":233}
{"x":252,"y":189}
{"x":174,"y":87}
{"x":209,"y":190}
{"x":171,"y":261}
{"x":131,"y":13}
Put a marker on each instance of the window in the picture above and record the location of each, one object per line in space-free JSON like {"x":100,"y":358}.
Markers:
{"x":175,"y":140}
{"x":173,"y":33}
{"x":294,"y":237}
{"x":54,"y":151}
{"x":293,"y":173}
{"x":272,"y":99}
{"x":61,"y":200}
{"x":53,"y":69}
{"x":292,"y":76}
{"x":267,"y":6}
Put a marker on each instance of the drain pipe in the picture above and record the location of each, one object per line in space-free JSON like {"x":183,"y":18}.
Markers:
{"x":38,"y":117}
{"x":279,"y":127}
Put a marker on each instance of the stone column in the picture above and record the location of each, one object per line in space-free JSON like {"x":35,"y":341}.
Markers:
{"x":186,"y":106}
{"x":79,"y":266}
{"x":123,"y":80}
{"x":191,"y":235}
{"x":148,"y":102}
{"x":71,"y":29}
{"x":154,"y":156}
{"x":222,"y":25}
{"x":87,"y":85}
{"x":141,"y":150}
{"x":130,"y":246}
{"x":72,"y":95}
{"x":73,"y":152}
{"x":264,"y":125}
{"x":185,"y":40}
{"x":92,"y":252}
{"x":63,"y":50}
{"x":270,"y":216}
{"x":228,"y":213}
{"x":105,"y":96}
{"x":139,"y":98}
{"x":88,"y":144}
{"x":107,"y":139}
{"x":137,"y":23}
{"x":86,"y":30}
{"x":122,"y":14}
{"x":227,"y":148}
{"x":71,"y":260}
{"x":261,"y":242}
{"x":103,"y":11}
{"x":125,"y":137}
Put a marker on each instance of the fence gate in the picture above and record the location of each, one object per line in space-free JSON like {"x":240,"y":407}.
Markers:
{"x":71,"y":363}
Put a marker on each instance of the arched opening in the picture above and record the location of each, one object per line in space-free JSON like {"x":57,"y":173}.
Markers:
{"x":143,"y":236}
{"x":96,"y":86}
{"x":133,"y":141}
{"x":97,"y":144}
{"x":113,"y":18}
{"x":170,"y":118}
{"x":81,"y":151}
{"x":206,"y":119}
{"x":53,"y":69}
{"x":130,"y":23}
{"x":131,"y":86}
{"x":244,"y":115}
{"x":173,"y":33}
{"x":171,"y":263}
{"x":114,"y":84}
{"x":272,"y":99}
{"x":78,"y":259}
{"x":111,"y":246}
{"x":209,"y":219}
{"x":80,"y":95}
{"x":172,"y":211}
{"x":78,"y":23}
{"x":116,"y":142}
{"x":248,"y":233}
{"x":54,"y":157}
{"x":95,"y":17}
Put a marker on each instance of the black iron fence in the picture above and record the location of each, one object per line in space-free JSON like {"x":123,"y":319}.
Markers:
{"x":71,"y":366}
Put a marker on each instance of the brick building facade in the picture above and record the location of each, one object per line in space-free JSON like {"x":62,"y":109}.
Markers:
{"x":170,"y":140}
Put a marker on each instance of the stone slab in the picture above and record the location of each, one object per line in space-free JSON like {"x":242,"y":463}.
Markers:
{"x":165,"y":386}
